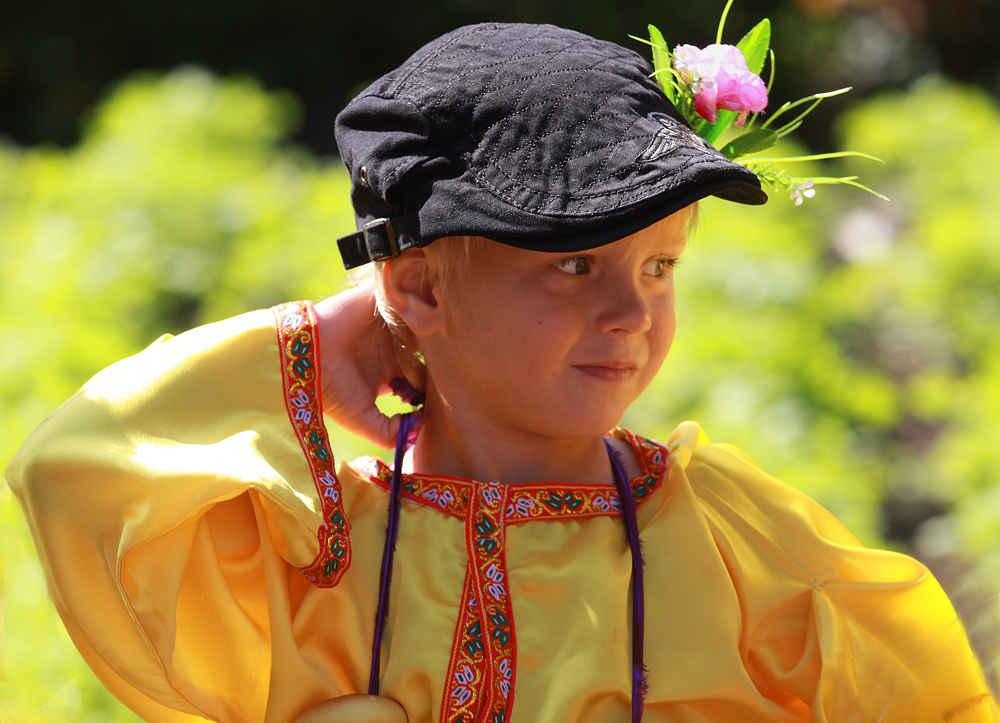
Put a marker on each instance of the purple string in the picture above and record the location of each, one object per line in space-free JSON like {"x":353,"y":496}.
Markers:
{"x":404,"y":438}
{"x":402,"y":388}
{"x":639,"y":681}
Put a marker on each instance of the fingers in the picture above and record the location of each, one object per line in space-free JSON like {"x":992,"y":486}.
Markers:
{"x":375,"y":427}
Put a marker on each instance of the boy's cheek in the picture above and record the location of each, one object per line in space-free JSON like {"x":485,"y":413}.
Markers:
{"x":659,"y":348}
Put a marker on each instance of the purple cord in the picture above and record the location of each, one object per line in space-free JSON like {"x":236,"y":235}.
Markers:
{"x":403,"y":441}
{"x":639,"y":681}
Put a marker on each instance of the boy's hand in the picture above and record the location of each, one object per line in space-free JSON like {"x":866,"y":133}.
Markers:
{"x":357,"y":362}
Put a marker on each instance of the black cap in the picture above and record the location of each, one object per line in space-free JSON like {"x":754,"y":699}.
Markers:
{"x":530,"y":135}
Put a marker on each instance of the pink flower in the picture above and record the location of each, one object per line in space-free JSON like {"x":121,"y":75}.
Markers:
{"x":719,"y":78}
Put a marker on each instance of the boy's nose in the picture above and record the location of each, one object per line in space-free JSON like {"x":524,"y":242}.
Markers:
{"x":625,"y":309}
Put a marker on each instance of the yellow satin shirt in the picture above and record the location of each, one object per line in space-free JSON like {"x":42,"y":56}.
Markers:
{"x":209,"y":561}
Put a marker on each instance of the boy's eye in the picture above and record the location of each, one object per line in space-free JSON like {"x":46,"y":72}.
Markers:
{"x":658,"y":267}
{"x":575,"y":265}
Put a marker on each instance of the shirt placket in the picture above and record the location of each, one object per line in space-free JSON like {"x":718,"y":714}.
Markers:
{"x":481,"y":673}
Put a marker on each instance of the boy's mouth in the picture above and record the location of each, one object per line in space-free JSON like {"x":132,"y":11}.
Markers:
{"x":610,"y":371}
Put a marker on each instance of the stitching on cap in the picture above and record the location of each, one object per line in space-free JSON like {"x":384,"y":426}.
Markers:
{"x":526,"y":156}
{"x":421,"y":63}
{"x":485,"y":89}
{"x":610,"y":146}
{"x":498,"y":66}
{"x":507,"y":61}
{"x":565,"y":127}
{"x":524,"y":89}
{"x":688,"y":163}
{"x":582,"y":154}
{"x":537,"y":140}
{"x":434,"y":135}
{"x":600,"y":173}
{"x":439,"y":95}
{"x":471,"y":52}
{"x":523,"y":109}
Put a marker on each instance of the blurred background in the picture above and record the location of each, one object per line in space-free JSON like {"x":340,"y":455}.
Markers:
{"x":165,"y":164}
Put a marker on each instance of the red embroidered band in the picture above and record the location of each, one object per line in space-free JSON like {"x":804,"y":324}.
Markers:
{"x":298,"y":346}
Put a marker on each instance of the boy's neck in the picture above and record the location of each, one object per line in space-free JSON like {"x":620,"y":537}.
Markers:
{"x":469,"y":447}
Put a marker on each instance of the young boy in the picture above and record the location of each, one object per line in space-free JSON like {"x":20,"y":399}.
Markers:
{"x":525,"y":192}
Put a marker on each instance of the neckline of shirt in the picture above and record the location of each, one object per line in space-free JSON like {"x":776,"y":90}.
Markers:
{"x":450,"y":494}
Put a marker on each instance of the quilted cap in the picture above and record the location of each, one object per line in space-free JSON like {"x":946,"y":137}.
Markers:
{"x":530,"y":135}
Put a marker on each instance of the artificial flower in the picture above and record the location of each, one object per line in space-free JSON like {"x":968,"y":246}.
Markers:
{"x":720,"y":79}
{"x":702,"y":81}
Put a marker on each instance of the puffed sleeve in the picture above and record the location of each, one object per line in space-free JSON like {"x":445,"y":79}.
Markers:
{"x":834,"y":630}
{"x":168,"y":500}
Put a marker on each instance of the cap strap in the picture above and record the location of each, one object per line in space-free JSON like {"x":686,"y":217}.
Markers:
{"x":376,"y":241}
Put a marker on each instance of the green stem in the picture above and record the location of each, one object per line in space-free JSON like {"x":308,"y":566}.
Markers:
{"x":816,"y":157}
{"x":722,"y":21}
{"x":849,"y":181}
{"x":792,"y":125}
{"x":785,"y":130}
{"x":770,"y":81}
{"x":800,"y":101}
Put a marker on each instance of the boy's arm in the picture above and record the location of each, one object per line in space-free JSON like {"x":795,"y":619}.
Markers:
{"x":849,"y":634}
{"x":168,"y":500}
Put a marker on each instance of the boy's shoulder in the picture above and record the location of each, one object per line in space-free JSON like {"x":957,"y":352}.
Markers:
{"x":745,"y":505}
{"x":771,"y":535}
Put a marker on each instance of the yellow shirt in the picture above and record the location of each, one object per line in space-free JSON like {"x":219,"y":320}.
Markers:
{"x":208,"y":562}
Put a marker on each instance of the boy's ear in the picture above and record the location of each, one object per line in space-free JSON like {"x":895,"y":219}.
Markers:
{"x":413,"y":291}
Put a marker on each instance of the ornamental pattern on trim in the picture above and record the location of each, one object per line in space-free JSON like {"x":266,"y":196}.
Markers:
{"x":299,"y":350}
{"x":530,"y":502}
{"x":479,"y":686}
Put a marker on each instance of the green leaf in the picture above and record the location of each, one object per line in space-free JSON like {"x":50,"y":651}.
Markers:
{"x":755,"y":45}
{"x":711,"y":132}
{"x":661,"y":61}
{"x":752,"y":142}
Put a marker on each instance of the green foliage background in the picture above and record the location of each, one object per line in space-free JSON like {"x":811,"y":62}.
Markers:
{"x":849,"y":345}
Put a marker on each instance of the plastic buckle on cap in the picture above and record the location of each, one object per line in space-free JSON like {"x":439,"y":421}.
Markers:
{"x":380,"y":239}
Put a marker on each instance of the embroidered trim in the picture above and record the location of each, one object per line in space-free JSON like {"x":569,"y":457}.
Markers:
{"x":448,"y":494}
{"x":529,"y":502}
{"x":466,"y":671}
{"x":479,"y":686}
{"x":299,"y":350}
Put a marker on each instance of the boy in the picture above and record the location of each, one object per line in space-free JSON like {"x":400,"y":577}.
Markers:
{"x":526,"y":192}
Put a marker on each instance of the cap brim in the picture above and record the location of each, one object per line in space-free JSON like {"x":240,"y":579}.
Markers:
{"x":632,"y":220}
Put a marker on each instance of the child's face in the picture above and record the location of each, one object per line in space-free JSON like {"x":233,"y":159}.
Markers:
{"x":558,"y":345}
